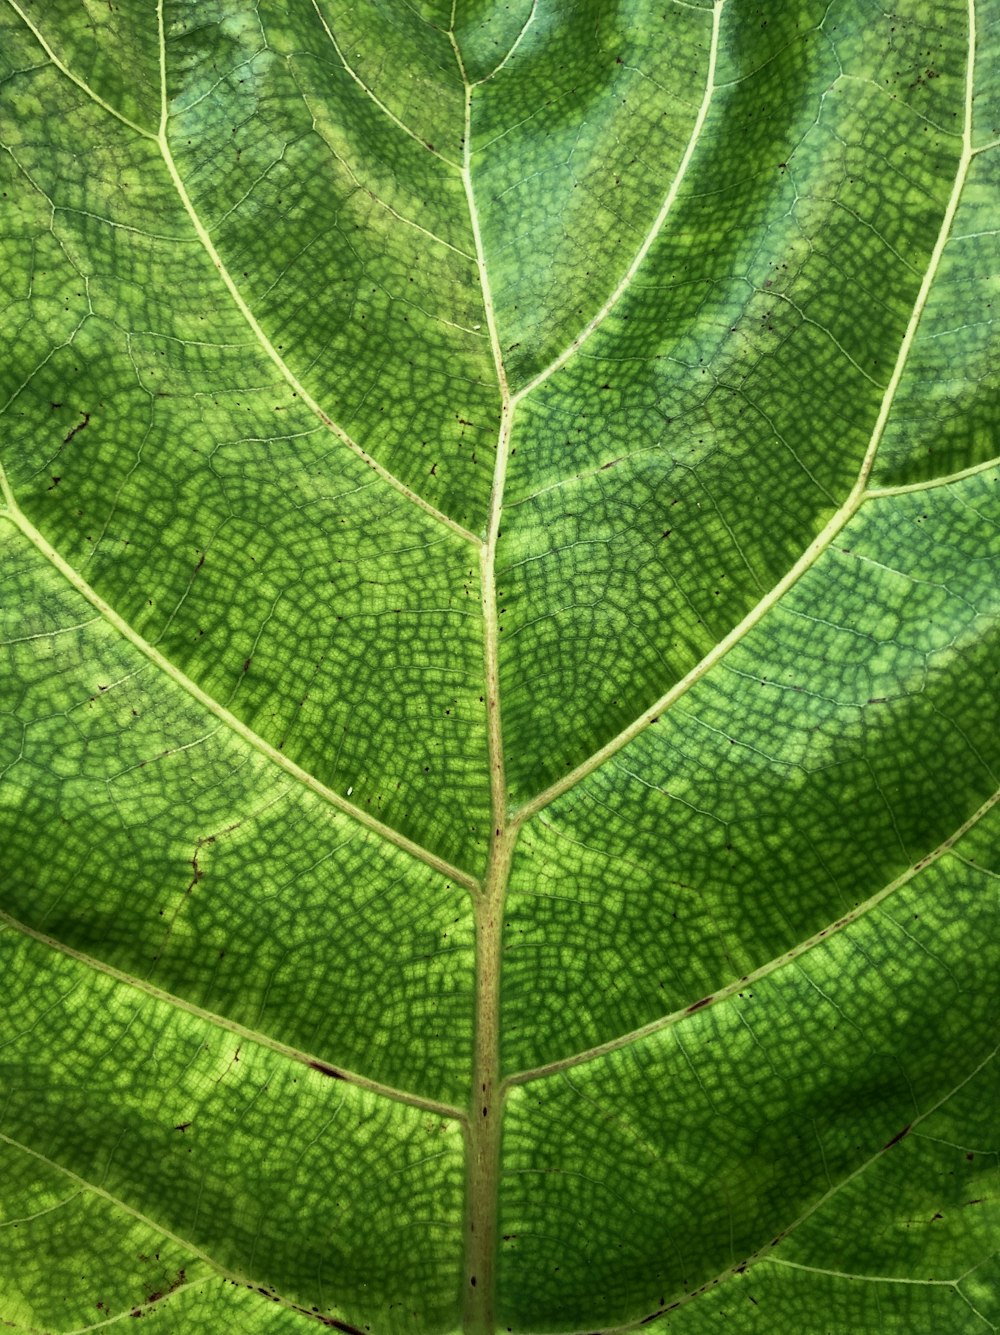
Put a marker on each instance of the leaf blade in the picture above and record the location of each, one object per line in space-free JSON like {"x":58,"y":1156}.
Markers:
{"x":499,"y":565}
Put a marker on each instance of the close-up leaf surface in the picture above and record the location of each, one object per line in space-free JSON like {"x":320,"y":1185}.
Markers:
{"x":499,"y":711}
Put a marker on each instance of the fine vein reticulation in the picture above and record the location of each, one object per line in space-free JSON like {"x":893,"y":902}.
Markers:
{"x":511,"y":824}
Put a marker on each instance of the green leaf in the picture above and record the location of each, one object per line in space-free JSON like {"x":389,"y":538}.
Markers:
{"x":499,"y":713}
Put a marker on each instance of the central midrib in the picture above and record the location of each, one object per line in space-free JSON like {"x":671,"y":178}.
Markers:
{"x":488,"y":1088}
{"x":486,"y":1092}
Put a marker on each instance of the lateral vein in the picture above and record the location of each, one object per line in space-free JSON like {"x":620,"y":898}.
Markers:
{"x":772,"y":966}
{"x":932,"y":483}
{"x":75,"y":78}
{"x":265,"y":343}
{"x":220,"y":712}
{"x":517,"y":42}
{"x":236,"y":1277}
{"x":657,"y":226}
{"x":233,"y":1026}
{"x":765,"y":1254}
{"x":858,"y":495}
{"x":391,"y":115}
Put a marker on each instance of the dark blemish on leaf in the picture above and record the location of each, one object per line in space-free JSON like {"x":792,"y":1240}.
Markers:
{"x":327,"y":1070}
{"x":182,"y":1126}
{"x":55,"y":482}
{"x":698,"y":1005}
{"x":79,"y":427}
{"x":246,"y":664}
{"x":897,"y":1137}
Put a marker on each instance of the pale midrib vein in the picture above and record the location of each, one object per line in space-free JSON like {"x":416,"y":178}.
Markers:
{"x":265,"y":343}
{"x":486,"y":1100}
{"x":230,"y":720}
{"x":765,"y":1253}
{"x":242,"y":1031}
{"x":772,"y":966}
{"x":668,"y":203}
{"x":858,"y":495}
{"x":235,"y":1277}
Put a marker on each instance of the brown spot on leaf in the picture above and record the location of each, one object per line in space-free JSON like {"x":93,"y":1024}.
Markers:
{"x":327,"y":1070}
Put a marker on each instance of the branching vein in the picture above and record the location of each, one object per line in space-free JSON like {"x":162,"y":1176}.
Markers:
{"x":171,"y":671}
{"x":668,"y":203}
{"x":858,"y":495}
{"x":261,"y":337}
{"x":232,"y":1026}
{"x":772,"y":966}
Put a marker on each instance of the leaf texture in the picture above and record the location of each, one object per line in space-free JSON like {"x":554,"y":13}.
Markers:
{"x":499,"y":697}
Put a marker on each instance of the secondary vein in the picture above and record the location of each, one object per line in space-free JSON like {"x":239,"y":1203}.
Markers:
{"x":174,"y":673}
{"x":772,"y":966}
{"x":238,"y":1278}
{"x":75,"y":78}
{"x":765,"y":1253}
{"x":265,"y":343}
{"x":858,"y":495}
{"x":233,"y":1026}
{"x":657,"y":226}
